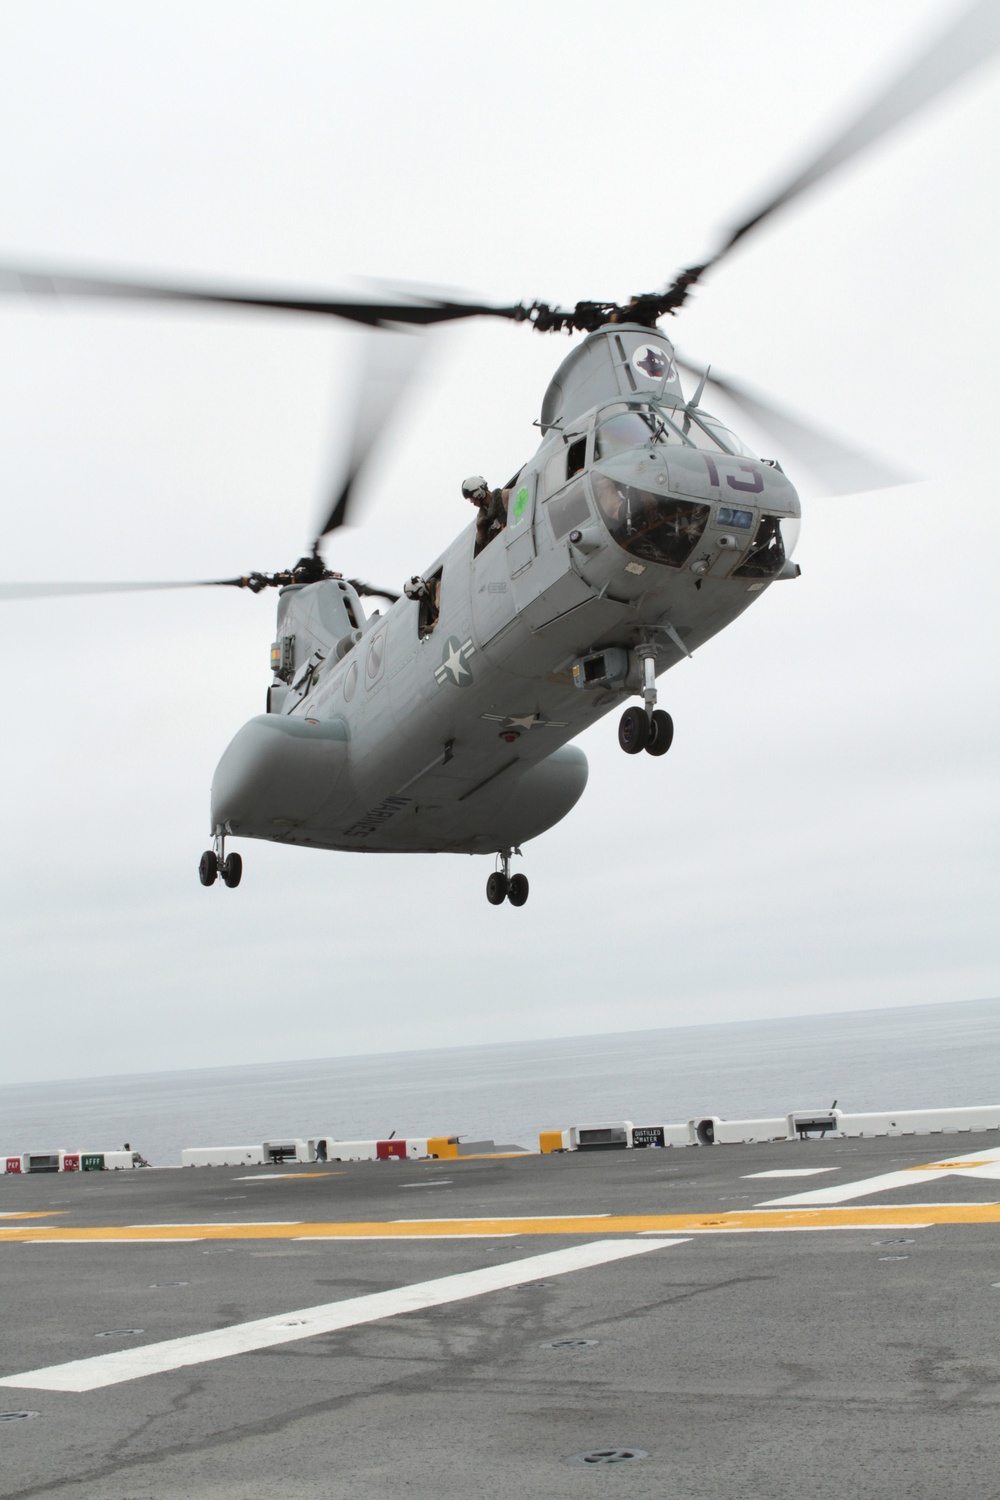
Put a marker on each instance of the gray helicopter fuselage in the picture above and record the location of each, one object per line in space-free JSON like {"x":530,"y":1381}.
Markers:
{"x":445,"y":724}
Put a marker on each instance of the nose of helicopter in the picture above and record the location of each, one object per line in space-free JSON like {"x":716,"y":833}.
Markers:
{"x":662,"y":506}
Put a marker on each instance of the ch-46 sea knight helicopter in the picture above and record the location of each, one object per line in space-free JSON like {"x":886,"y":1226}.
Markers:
{"x":639,"y":528}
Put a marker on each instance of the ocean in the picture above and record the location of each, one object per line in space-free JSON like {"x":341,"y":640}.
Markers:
{"x":913,"y":1057}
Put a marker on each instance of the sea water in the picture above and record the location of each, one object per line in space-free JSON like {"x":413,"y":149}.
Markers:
{"x":915,"y":1057}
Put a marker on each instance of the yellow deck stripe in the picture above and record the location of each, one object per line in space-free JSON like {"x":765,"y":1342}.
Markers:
{"x":41,"y":1213}
{"x":764,"y":1219}
{"x":949,"y":1166}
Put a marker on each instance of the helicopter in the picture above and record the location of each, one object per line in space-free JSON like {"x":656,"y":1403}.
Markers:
{"x":640,"y":528}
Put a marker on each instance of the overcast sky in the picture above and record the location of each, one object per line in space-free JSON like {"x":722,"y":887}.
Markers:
{"x":819,"y":837}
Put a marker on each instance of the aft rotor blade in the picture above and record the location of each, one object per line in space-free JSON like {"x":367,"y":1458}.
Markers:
{"x":360,"y":587}
{"x":389,"y":370}
{"x":60,"y":590}
{"x":841,"y":468}
{"x":41,"y":281}
{"x":969,"y":41}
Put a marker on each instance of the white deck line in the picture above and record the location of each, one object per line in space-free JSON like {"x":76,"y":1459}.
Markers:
{"x":267,"y":1177}
{"x":790,"y":1172}
{"x":285,"y":1328}
{"x":908,"y":1177}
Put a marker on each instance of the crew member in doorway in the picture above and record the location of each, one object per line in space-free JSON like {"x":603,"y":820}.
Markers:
{"x":492,"y":507}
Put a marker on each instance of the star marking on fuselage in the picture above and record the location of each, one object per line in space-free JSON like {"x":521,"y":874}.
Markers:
{"x":454,"y":663}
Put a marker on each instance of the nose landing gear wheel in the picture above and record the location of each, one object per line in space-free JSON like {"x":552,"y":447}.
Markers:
{"x":633,"y":730}
{"x":661,"y":733}
{"x":517,"y":891}
{"x":496,"y":888}
{"x":232,"y":870}
{"x":208,"y":868}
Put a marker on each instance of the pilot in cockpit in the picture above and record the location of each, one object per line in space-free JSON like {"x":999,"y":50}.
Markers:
{"x":492,"y":507}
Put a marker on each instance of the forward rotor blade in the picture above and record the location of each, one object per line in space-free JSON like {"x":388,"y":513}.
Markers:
{"x":841,"y":468}
{"x":389,"y":369}
{"x":42,"y":282}
{"x":969,"y":41}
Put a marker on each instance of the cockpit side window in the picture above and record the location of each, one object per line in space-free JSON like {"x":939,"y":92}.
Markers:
{"x":566,"y":462}
{"x":568,"y":510}
{"x":767,"y":552}
{"x":555,"y":471}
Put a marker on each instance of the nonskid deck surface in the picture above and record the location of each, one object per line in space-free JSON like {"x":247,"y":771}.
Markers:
{"x":471,"y":1327}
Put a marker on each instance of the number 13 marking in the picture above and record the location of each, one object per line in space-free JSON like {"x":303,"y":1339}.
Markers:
{"x":751,"y":486}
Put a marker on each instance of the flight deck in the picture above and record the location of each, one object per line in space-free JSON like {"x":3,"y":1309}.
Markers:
{"x":768,"y":1320}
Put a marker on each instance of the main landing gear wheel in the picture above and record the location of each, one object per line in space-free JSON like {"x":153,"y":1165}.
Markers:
{"x":661,"y":733}
{"x":633,"y":730}
{"x":503,"y":886}
{"x":216,"y":862}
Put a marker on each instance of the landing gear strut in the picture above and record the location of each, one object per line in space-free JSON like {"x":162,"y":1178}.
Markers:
{"x":503,"y":886}
{"x":215,"y":862}
{"x":648,"y":728}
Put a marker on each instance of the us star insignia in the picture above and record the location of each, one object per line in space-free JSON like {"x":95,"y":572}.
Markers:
{"x":454,"y":663}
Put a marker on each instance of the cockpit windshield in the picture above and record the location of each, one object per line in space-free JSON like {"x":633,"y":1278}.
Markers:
{"x":723,"y":435}
{"x":641,"y":425}
{"x":651,"y":526}
{"x":620,"y":428}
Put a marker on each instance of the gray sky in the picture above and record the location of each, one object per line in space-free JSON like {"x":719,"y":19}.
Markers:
{"x":819,"y":837}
